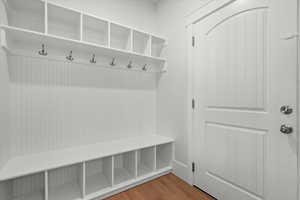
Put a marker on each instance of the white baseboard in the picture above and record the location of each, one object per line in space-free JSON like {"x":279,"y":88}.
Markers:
{"x":128,"y":185}
{"x":181,"y":170}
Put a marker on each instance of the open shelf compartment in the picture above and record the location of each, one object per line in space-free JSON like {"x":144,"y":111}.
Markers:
{"x":63,"y":22}
{"x":98,"y":175}
{"x":141,"y":43}
{"x":157,"y":46}
{"x":66,"y":183}
{"x":120,"y":37}
{"x":124,"y":167}
{"x":29,"y":14}
{"x":94,"y":30}
{"x":164,"y":155}
{"x":24,"y":188}
{"x":145,"y":161}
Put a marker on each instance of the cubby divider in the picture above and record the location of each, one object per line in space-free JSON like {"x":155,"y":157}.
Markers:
{"x":24,"y":188}
{"x":98,"y":175}
{"x":164,"y":155}
{"x":66,"y":183}
{"x":146,"y":161}
{"x":124,"y":167}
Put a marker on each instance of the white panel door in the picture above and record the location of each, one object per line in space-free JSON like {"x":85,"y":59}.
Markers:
{"x":245,"y":69}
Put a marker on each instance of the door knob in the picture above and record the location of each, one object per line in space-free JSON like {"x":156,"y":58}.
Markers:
{"x":286,"y":129}
{"x":286,"y":109}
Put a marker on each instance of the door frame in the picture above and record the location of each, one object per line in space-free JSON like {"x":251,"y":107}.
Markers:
{"x":209,"y":7}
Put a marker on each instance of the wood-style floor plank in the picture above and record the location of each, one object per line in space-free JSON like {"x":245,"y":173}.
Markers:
{"x":168,"y":187}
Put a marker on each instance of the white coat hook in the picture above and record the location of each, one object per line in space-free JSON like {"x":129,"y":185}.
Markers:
{"x":93,"y":60}
{"x":129,"y":66}
{"x":144,"y":67}
{"x":113,"y":62}
{"x":70,"y":56}
{"x":43,"y":51}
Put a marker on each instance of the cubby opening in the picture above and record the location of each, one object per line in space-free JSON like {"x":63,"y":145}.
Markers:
{"x":124,"y":167}
{"x":29,"y":14}
{"x":141,"y":43}
{"x":66,"y":183}
{"x":120,"y":37}
{"x":164,"y":153}
{"x":98,"y":175}
{"x":157,"y":46}
{"x":63,"y":22}
{"x":95,"y":30}
{"x":24,"y":188}
{"x":146,"y":161}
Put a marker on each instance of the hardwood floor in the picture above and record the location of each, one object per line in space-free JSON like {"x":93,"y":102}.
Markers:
{"x":168,"y":187}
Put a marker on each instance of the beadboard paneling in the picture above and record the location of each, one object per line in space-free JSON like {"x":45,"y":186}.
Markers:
{"x":4,"y":99}
{"x":56,"y":105}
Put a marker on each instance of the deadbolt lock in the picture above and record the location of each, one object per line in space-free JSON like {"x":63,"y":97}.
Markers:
{"x":286,"y":110}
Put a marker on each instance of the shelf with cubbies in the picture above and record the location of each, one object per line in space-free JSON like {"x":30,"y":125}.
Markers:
{"x":44,"y":29}
{"x":86,"y":172}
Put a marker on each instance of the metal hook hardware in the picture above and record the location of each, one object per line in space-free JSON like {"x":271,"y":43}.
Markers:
{"x":70,"y":56}
{"x":93,"y":60}
{"x":144,"y":67}
{"x":113,"y":62}
{"x":43,"y":51}
{"x":129,"y":66}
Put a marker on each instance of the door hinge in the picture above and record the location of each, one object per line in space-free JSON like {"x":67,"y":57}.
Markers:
{"x":193,"y":104}
{"x":193,"y":41}
{"x":193,"y":167}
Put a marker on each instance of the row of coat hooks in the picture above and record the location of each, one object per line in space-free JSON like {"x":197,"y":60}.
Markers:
{"x":69,"y":57}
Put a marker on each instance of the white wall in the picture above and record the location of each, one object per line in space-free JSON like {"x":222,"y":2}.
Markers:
{"x":4,"y":100}
{"x":173,"y":88}
{"x":57,"y":105}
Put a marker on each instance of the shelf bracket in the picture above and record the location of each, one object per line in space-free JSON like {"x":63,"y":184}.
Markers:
{"x":3,"y":40}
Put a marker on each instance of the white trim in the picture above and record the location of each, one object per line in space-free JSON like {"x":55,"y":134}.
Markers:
{"x":190,"y":95}
{"x":81,"y":27}
{"x":46,"y":185}
{"x":206,"y":10}
{"x":298,"y":96}
{"x":181,"y":170}
{"x":46,"y":17}
{"x":83,"y":174}
{"x":3,"y":40}
{"x":127,"y":185}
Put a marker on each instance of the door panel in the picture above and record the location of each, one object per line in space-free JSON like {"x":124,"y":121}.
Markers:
{"x":245,"y":68}
{"x":238,"y":159}
{"x":237,"y":63}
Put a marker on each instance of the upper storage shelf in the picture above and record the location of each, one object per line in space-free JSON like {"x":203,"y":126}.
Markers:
{"x":60,"y":30}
